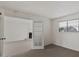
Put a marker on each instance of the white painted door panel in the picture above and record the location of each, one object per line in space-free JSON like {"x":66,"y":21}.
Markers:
{"x":1,"y":35}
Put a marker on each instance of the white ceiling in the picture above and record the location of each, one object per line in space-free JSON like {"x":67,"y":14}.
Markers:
{"x":50,"y":9}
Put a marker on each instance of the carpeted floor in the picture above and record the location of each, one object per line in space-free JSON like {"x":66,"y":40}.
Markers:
{"x":50,"y":51}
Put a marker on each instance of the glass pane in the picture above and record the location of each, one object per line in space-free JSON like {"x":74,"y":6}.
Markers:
{"x":73,"y":26}
{"x":63,"y":26}
{"x":37,"y":35}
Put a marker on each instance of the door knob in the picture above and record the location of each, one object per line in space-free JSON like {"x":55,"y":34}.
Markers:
{"x":2,"y":38}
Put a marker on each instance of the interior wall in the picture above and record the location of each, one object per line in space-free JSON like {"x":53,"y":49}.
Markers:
{"x":45,"y":20}
{"x":17,"y":47}
{"x":47,"y":32}
{"x":14,"y":48}
{"x":16,"y":29}
{"x":65,"y":39}
{"x":14,"y":43}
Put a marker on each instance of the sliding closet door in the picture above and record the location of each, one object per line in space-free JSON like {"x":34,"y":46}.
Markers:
{"x":38,"y":41}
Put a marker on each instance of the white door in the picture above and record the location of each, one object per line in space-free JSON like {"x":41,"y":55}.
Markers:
{"x":1,"y":35}
{"x":38,"y":41}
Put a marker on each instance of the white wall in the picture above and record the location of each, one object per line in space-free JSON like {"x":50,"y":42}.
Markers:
{"x":47,"y":32}
{"x":17,"y":47}
{"x":14,"y":48}
{"x":65,"y":39}
{"x":46,"y":21}
{"x":17,"y":28}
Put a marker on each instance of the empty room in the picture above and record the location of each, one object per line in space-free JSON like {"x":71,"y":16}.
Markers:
{"x":39,"y":28}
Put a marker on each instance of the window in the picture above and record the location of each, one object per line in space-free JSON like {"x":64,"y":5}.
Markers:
{"x":63,"y":26}
{"x":73,"y":26}
{"x":69,"y":26}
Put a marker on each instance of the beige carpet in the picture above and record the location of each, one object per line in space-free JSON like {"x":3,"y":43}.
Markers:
{"x":50,"y":51}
